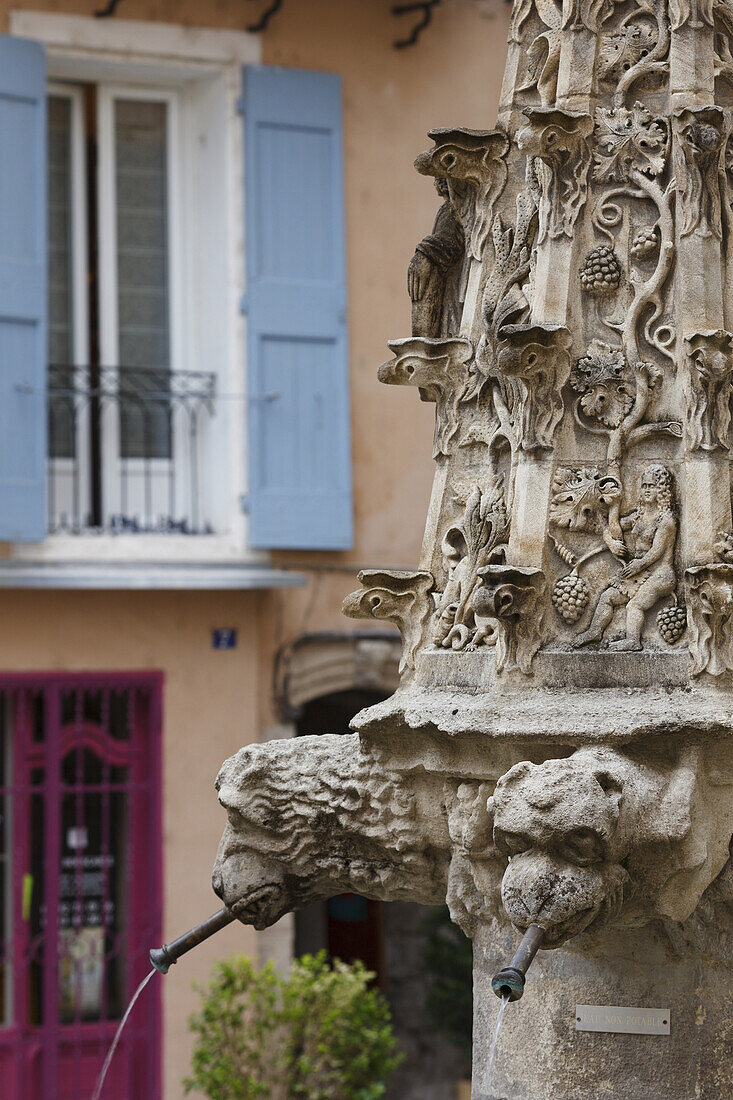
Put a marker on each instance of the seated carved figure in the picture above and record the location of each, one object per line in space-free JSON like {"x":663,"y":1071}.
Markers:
{"x":315,"y":817}
{"x":649,"y":575}
{"x":604,"y":837}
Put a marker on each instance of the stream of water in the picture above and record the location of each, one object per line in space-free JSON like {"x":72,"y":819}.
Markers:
{"x":492,"y":1055}
{"x":118,"y":1033}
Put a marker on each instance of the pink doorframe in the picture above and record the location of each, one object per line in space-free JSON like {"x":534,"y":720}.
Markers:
{"x":64,"y":763}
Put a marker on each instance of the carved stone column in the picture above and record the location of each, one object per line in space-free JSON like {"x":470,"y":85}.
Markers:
{"x":560,"y":749}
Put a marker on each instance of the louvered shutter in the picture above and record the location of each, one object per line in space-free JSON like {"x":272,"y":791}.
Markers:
{"x":298,"y":399}
{"x":23,"y":295}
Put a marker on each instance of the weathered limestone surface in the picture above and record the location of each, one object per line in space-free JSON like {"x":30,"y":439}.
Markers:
{"x":560,"y":748}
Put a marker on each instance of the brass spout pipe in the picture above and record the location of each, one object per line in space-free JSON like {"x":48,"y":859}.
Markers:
{"x":509,"y":981}
{"x":162,"y":958}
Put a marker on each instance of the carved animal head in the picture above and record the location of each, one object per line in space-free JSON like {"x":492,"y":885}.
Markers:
{"x":438,"y":368}
{"x":576,"y":830}
{"x":556,"y":823}
{"x":430,"y":364}
{"x":552,"y":134}
{"x":460,"y":153}
{"x":703,"y":129}
{"x":710,"y":354}
{"x":315,"y":817}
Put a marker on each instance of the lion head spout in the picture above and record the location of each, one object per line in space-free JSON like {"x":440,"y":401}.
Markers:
{"x":317,"y":816}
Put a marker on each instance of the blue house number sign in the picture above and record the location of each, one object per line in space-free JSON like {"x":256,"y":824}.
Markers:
{"x":225,"y":638}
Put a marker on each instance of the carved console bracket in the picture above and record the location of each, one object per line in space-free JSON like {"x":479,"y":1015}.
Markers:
{"x":533,"y":363}
{"x":515,"y":597}
{"x":709,"y":393}
{"x":709,"y":597}
{"x":559,"y":140}
{"x":401,"y":597}
{"x":474,"y":164}
{"x":438,"y":368}
{"x":701,"y":132}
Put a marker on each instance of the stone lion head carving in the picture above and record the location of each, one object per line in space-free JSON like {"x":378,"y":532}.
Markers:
{"x":603,"y":837}
{"x":316,"y":816}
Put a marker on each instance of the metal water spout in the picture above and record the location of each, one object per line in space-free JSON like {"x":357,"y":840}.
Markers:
{"x":509,"y":981}
{"x":164,"y":957}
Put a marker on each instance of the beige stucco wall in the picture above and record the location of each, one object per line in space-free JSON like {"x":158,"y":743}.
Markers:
{"x":216,"y":701}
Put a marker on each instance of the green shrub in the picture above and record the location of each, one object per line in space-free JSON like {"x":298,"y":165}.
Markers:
{"x":318,"y":1034}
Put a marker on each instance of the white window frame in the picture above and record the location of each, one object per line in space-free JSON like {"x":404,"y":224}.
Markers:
{"x":64,"y":467}
{"x":203,"y":69}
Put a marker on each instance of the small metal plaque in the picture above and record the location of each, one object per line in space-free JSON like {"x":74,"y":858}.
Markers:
{"x":628,"y":1021}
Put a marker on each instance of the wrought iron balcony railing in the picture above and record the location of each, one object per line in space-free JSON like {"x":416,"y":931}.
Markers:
{"x":128,"y":450}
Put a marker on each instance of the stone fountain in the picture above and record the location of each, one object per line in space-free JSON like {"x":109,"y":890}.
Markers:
{"x":560,"y":749}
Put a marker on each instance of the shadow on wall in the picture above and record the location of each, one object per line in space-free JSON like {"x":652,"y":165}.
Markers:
{"x":391,"y":939}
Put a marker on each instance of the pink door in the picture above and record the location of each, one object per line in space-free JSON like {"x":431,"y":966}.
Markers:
{"x":80,"y":883}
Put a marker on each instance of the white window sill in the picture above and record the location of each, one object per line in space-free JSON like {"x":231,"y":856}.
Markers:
{"x":126,"y":575}
{"x":133,"y":549}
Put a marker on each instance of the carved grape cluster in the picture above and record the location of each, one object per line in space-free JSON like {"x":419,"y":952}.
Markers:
{"x":570,"y":597}
{"x":672,"y":623}
{"x":601,"y":273}
{"x":645,"y":242}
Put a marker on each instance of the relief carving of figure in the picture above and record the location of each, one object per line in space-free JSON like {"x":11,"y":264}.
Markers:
{"x":434,"y":274}
{"x":647,"y":545}
{"x":478,"y":539}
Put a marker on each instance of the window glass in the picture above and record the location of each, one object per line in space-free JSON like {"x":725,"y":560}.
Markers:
{"x":141,"y":180}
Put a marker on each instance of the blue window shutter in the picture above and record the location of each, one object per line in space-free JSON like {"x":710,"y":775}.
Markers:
{"x":299,"y":431}
{"x":23,"y":298}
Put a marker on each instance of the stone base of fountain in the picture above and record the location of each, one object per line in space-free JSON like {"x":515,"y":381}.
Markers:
{"x":541,"y":1056}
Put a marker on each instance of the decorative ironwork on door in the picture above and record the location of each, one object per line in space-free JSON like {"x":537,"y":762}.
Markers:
{"x":80,"y":882}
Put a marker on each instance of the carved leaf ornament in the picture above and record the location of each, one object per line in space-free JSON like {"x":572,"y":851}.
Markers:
{"x":629,"y":140}
{"x":621,"y":51}
{"x":604,"y":380}
{"x":581,"y":498}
